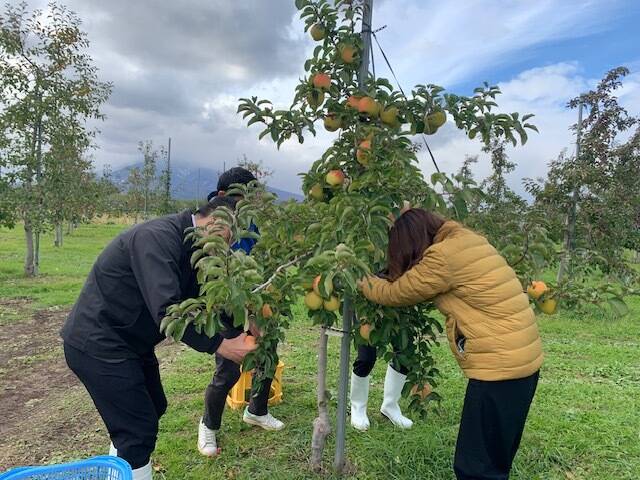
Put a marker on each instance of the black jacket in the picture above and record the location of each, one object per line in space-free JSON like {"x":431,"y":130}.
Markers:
{"x":136,"y":277}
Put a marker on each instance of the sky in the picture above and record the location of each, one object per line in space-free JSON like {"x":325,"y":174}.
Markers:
{"x":178,"y":68}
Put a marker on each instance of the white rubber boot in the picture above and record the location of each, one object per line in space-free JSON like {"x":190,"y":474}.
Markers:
{"x":143,"y":473}
{"x":113,"y":451}
{"x":393,"y":383}
{"x":207,"y":444}
{"x":359,"y":398}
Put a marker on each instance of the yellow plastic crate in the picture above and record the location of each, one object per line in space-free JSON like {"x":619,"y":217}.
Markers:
{"x":239,"y":395}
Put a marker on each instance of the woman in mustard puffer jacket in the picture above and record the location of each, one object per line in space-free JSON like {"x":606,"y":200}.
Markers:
{"x":491,"y":328}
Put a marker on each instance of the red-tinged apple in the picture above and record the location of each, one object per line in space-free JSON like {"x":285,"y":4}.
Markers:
{"x":322,"y":81}
{"x":335,"y":178}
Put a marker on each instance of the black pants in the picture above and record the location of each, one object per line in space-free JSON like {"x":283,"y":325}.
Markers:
{"x":366,"y":360}
{"x":225,"y":377}
{"x":493,"y":418}
{"x":129,"y":398}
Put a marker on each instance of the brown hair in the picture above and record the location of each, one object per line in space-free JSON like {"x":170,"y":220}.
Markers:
{"x":409,"y":237}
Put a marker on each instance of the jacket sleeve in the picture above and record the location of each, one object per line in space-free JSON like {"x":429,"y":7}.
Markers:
{"x":424,"y":281}
{"x":199,"y":341}
{"x":155,"y":265}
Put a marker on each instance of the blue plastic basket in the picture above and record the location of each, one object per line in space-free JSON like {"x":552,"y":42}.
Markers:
{"x":96,"y":468}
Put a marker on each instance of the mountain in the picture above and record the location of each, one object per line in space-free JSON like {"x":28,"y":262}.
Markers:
{"x":185,"y":184}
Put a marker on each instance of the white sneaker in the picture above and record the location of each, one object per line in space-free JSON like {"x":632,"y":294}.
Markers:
{"x":268,"y":421}
{"x":207,"y":444}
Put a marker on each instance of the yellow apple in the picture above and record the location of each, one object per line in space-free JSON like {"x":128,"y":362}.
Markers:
{"x":317,"y":32}
{"x":313,"y":301}
{"x":332,"y":122}
{"x":316,"y":192}
{"x":332,"y":304}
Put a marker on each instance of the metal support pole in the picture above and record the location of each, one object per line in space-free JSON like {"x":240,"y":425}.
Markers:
{"x":347,"y":308}
{"x":570,"y":226}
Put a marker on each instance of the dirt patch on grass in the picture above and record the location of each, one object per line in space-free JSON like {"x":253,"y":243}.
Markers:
{"x":33,"y":367}
{"x":47,"y":415}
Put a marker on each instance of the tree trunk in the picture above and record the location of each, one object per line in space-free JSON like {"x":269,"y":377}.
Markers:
{"x":146,"y":198}
{"x":58,"y":232}
{"x":36,"y":254}
{"x":321,"y":425}
{"x":29,"y":268}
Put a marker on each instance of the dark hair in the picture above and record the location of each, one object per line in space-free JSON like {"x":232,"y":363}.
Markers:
{"x":207,"y":209}
{"x":232,"y":176}
{"x":409,"y":237}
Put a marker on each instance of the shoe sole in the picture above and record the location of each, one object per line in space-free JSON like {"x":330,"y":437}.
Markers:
{"x":402,"y":427}
{"x":261,"y":425}
{"x":360,"y":429}
{"x":210,"y":455}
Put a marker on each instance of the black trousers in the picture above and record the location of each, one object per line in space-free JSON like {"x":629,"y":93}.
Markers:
{"x":129,"y":397}
{"x":225,"y":377}
{"x":493,"y":418}
{"x":366,"y":360}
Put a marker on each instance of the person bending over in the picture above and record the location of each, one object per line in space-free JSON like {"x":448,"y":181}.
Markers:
{"x":110,"y":334}
{"x":491,"y":329}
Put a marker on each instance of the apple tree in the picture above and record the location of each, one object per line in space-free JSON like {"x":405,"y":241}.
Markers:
{"x":319,"y":248}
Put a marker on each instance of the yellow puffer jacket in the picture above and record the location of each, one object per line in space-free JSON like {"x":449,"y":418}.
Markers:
{"x":482,"y":299}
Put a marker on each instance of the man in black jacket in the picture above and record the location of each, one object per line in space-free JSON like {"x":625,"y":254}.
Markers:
{"x":110,"y":334}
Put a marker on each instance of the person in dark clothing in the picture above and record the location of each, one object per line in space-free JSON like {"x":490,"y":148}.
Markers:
{"x":110,"y":334}
{"x":394,"y":382}
{"x":236,"y":176}
{"x":227,"y":373}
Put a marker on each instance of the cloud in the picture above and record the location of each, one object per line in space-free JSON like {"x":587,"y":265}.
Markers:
{"x":179,"y":67}
{"x":544,"y":92}
{"x":450,"y":42}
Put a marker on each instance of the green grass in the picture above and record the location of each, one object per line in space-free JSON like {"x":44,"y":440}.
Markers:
{"x":583,"y":422}
{"x":63,"y":269}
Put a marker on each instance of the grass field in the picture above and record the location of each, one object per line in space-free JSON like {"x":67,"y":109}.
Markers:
{"x":583,"y":424}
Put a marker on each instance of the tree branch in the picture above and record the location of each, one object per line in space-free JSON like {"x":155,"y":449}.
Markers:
{"x":278,"y":270}
{"x":526,"y":249}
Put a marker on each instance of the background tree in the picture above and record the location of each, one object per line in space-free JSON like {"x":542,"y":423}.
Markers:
{"x":166,"y":204}
{"x":147,"y":192}
{"x":135,"y":195}
{"x":66,"y":185}
{"x":518,"y":231}
{"x":259,"y":170}
{"x":48,"y":89}
{"x":597,"y":194}
{"x":150,"y":186}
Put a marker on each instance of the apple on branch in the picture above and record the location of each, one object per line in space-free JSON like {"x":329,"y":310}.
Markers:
{"x":335,"y":178}
{"x":321,"y":81}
